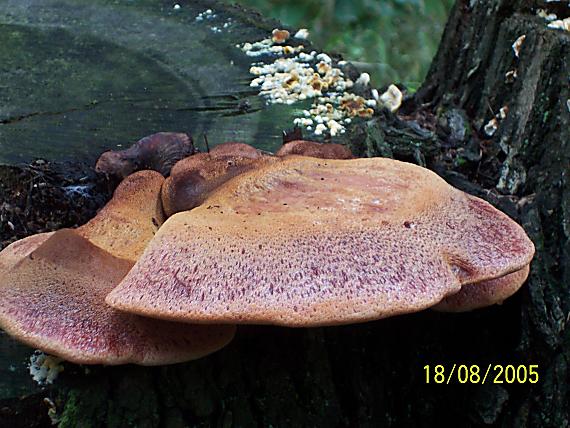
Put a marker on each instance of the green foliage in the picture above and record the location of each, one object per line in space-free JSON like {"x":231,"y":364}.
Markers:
{"x":393,"y":40}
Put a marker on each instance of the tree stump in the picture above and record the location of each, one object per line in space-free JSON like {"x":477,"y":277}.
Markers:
{"x":359,"y":375}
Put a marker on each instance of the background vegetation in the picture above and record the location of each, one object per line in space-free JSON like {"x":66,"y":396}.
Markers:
{"x":393,"y":40}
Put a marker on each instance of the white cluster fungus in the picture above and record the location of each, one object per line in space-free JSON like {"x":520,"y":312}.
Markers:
{"x":44,"y":368}
{"x":279,"y":36}
{"x":392,"y":98}
{"x":320,"y":129}
{"x":560,"y":24}
{"x":503,"y":112}
{"x":511,"y":76}
{"x":303,"y":34}
{"x":207,"y":14}
{"x":545,"y":15}
{"x":363,"y":79}
{"x":491,"y":127}
{"x":518,"y":44}
{"x":266,"y":47}
{"x":554,"y":22}
{"x":296,"y":75}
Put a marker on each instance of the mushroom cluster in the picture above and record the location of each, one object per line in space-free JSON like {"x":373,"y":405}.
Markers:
{"x":306,"y":237}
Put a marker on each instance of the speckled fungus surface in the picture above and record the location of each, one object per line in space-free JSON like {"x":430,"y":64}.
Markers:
{"x":307,"y":242}
{"x":53,"y":299}
{"x":53,"y":288}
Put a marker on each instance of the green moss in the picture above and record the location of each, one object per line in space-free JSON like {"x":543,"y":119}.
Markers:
{"x":84,"y":408}
{"x":394,"y":39}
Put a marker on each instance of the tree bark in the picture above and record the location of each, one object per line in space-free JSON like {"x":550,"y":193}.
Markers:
{"x":373,"y":374}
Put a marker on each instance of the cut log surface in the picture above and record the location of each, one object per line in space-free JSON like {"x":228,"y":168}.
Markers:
{"x":81,"y":77}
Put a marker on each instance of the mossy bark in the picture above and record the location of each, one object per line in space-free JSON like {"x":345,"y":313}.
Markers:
{"x":373,"y":374}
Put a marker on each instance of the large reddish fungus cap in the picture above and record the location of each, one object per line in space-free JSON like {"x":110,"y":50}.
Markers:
{"x":194,"y":178}
{"x":306,"y":242}
{"x":130,"y":219}
{"x":53,"y":298}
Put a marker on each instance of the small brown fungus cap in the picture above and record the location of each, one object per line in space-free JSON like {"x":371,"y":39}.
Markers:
{"x":315,"y":150}
{"x":158,"y":152}
{"x":307,"y":242}
{"x":279,"y":36}
{"x":194,"y":178}
{"x":53,"y":299}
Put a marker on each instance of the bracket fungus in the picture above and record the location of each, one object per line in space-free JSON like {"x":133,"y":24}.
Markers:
{"x":308,"y":237}
{"x":310,"y":242}
{"x":53,"y":288}
{"x":192,"y":179}
{"x":54,"y":300}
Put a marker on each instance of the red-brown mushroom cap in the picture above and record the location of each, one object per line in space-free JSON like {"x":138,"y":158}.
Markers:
{"x":130,"y":219}
{"x":53,"y":299}
{"x":305,"y":242}
{"x":158,"y":152}
{"x":315,"y":150}
{"x":485,"y":293}
{"x":194,"y":178}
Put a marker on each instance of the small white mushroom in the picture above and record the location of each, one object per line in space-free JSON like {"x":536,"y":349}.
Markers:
{"x":491,"y":127}
{"x":335,"y":127}
{"x":548,"y":16}
{"x":363,"y":79}
{"x":320,"y":129}
{"x":518,"y":44}
{"x":44,"y":368}
{"x":303,"y":33}
{"x":511,"y":76}
{"x":503,"y":112}
{"x":392,"y":98}
{"x":560,"y":24}
{"x":375,"y":94}
{"x":324,"y":57}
